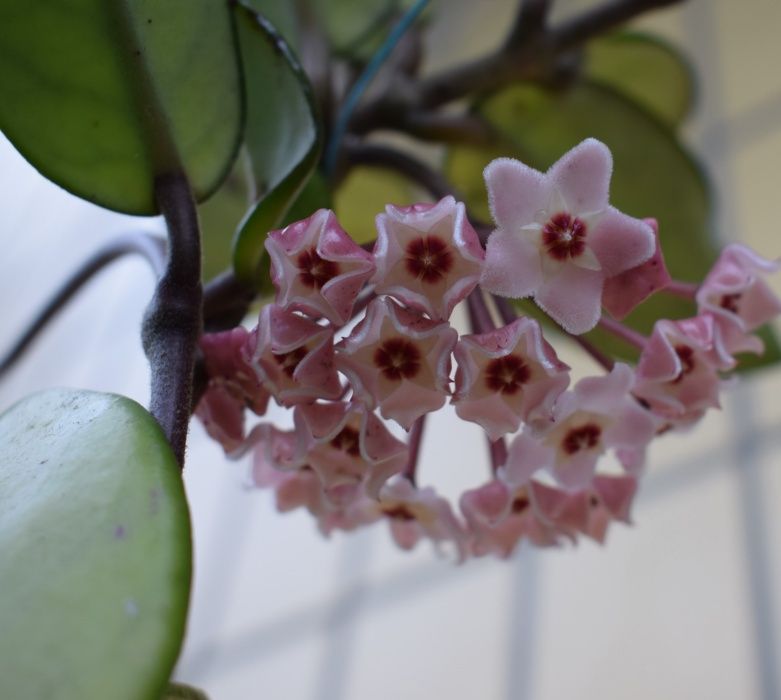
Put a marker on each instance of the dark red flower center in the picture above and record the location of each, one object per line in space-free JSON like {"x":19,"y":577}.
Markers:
{"x":686,"y":356}
{"x":506,"y":374}
{"x":314,"y":271}
{"x":584,"y":437}
{"x":348,"y":440}
{"x":730,"y":302}
{"x":428,"y":259}
{"x":288,"y":361}
{"x":399,"y":512}
{"x":397,"y":359}
{"x":520,"y":503}
{"x":564,"y":236}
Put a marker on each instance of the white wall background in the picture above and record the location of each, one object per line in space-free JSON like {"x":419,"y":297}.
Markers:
{"x":683,"y":605}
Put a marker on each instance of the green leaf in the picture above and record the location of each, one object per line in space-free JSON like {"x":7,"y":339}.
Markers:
{"x":219,"y":216}
{"x":652,"y":176}
{"x":95,"y":542}
{"x":646,"y":69}
{"x":352,"y":23}
{"x":180,"y":691}
{"x":102,"y":97}
{"x":364,"y":194}
{"x":284,"y":137}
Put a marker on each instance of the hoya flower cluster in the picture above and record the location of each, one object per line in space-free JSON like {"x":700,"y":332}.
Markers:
{"x":557,"y":240}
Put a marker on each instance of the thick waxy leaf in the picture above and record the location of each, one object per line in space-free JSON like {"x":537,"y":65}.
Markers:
{"x":351,"y":24}
{"x":102,"y":97}
{"x":283,"y":135}
{"x":652,"y":176}
{"x":646,"y":69}
{"x":95,"y":542}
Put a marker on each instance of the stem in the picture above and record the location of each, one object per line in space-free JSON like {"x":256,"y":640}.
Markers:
{"x":358,"y":89}
{"x":530,"y":52}
{"x":602,"y":19}
{"x":624,"y":332}
{"x":150,"y":247}
{"x":498,"y":452}
{"x":479,"y":315}
{"x":414,"y":442}
{"x":375,"y":155}
{"x":172,"y":323}
{"x":685,"y":290}
{"x":226,"y":302}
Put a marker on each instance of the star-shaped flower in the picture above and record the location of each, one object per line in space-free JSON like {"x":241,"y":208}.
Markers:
{"x":506,"y":376}
{"x":317,"y":268}
{"x":678,"y":370}
{"x":599,"y":414}
{"x":398,"y":360}
{"x":294,"y":357}
{"x":557,"y":239}
{"x":428,"y":256}
{"x":738,"y":298}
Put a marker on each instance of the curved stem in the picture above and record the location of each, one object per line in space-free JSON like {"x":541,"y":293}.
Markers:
{"x":375,"y":155}
{"x":172,"y":323}
{"x":414,"y":442}
{"x":498,"y":452}
{"x":226,"y":301}
{"x":479,"y":315}
{"x":624,"y":332}
{"x":685,"y":290}
{"x":150,"y":247}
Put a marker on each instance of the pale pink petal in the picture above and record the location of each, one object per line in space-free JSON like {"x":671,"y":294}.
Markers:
{"x":620,"y":242}
{"x":512,"y":265}
{"x":525,"y":456}
{"x":516,"y":193}
{"x":572,"y":298}
{"x":582,"y":175}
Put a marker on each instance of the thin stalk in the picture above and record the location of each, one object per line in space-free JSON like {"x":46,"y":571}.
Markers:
{"x":173,"y":320}
{"x":148,"y":246}
{"x":479,"y":315}
{"x":413,"y":443}
{"x":619,"y":330}
{"x":498,"y":452}
{"x":685,"y":290}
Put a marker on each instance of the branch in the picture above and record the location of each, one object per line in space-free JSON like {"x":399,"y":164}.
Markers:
{"x":530,"y":52}
{"x":375,"y":155}
{"x":150,"y":247}
{"x":172,"y":322}
{"x":602,"y":19}
{"x":226,"y":302}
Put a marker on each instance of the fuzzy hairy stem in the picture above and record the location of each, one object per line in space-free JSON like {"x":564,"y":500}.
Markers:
{"x":148,"y":246}
{"x":172,"y":323}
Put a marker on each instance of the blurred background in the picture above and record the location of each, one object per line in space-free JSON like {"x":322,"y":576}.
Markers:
{"x":684,"y":604}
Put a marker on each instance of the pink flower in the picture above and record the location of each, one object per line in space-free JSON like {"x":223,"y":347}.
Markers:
{"x":294,"y":357}
{"x":227,"y":358}
{"x":557,"y":238}
{"x":625,"y":291}
{"x":738,"y":298}
{"x":317,"y":268}
{"x":349,"y":448}
{"x":398,"y":360}
{"x":599,"y":414}
{"x":677,"y":374}
{"x":222,"y":415}
{"x":428,"y":256}
{"x":232,"y":387}
{"x":415,"y":513}
{"x":506,"y":376}
{"x":499,"y":517}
